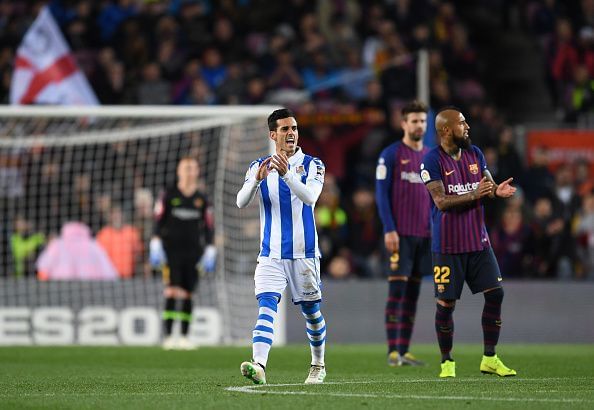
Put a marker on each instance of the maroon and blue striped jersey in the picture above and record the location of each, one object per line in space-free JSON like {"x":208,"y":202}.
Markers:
{"x":402,"y":200}
{"x":457,"y":230}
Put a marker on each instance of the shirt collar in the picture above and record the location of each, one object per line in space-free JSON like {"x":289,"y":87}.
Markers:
{"x":297,"y":157}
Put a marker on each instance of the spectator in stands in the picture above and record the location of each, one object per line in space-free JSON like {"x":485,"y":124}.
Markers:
{"x":579,"y":94}
{"x":213,"y":70}
{"x":113,"y":14}
{"x":284,"y":74}
{"x":509,"y":241}
{"x":509,"y":162}
{"x":584,"y":178}
{"x":226,"y":41}
{"x":75,"y":256}
{"x":200,"y":93}
{"x":546,"y":234}
{"x":121,"y":241}
{"x":255,"y":92}
{"x":153,"y":89}
{"x":170,"y":58}
{"x":565,"y":203}
{"x":331,"y":221}
{"x":233,"y":87}
{"x":562,"y":57}
{"x":365,"y":233}
{"x":333,"y":145}
{"x":24,"y":243}
{"x":585,"y":237}
{"x":537,"y":181}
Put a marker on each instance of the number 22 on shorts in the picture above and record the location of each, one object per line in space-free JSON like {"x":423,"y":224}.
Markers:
{"x":441,"y":274}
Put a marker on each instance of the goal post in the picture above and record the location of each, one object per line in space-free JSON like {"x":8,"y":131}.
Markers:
{"x":104,"y":167}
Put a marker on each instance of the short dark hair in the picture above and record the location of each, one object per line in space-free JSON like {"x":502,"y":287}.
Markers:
{"x":414,"y":106}
{"x":278,"y":115}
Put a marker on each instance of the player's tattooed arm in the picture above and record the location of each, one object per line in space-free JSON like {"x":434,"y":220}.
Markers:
{"x":446,"y":202}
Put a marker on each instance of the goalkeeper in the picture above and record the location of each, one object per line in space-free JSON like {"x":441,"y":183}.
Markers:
{"x":181,"y":244}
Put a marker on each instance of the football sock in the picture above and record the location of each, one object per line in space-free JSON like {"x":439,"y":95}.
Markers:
{"x":491,"y":320}
{"x":263,"y":334}
{"x":444,"y":325}
{"x":185,"y":316}
{"x":169,"y":315}
{"x":395,"y":295}
{"x":315,"y":325}
{"x":408,"y":310}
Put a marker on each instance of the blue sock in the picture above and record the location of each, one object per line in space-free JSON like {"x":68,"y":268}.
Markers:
{"x":315,"y":325}
{"x":263,"y":334}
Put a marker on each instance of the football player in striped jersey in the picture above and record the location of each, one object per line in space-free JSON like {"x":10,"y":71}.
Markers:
{"x":288,"y":184}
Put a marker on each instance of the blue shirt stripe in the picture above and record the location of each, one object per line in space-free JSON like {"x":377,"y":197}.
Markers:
{"x":307,"y":215}
{"x":267,"y":218}
{"x":286,"y":212}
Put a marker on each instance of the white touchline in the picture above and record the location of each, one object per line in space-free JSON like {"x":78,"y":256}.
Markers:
{"x":255,"y":389}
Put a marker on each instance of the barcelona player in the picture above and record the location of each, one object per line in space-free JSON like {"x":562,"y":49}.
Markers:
{"x":456,"y":175}
{"x":404,"y":208}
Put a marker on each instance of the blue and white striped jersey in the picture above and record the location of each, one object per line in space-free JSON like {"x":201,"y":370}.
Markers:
{"x":287,"y":224}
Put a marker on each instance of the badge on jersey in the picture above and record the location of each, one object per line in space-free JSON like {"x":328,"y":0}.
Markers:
{"x":473,"y":168}
{"x":300,"y":170}
{"x":425,"y":176}
{"x":198,"y":203}
{"x":381,"y":171}
{"x":320,"y":173}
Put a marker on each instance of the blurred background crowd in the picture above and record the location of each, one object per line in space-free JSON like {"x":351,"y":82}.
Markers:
{"x":347,"y":67}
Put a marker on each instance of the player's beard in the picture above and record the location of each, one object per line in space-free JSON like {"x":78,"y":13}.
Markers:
{"x":416,"y":136}
{"x":462,"y":142}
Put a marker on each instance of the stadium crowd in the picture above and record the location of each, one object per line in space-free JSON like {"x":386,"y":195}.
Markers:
{"x":346,"y":68}
{"x":565,"y":31}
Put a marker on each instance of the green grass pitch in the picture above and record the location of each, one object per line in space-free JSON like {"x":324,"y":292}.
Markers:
{"x":549,"y":377}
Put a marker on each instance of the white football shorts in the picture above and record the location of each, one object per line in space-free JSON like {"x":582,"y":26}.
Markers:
{"x":302,"y":276}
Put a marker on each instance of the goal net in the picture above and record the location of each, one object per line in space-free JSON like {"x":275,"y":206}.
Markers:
{"x":87,"y":178}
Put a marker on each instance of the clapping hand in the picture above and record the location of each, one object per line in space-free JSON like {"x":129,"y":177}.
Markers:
{"x":505,"y":190}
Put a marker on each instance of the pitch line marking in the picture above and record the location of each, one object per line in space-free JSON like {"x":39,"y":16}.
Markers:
{"x":259,"y":389}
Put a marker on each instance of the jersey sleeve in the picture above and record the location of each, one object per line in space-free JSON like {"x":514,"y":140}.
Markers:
{"x":310,"y":191}
{"x":384,"y":172}
{"x":250,"y":185}
{"x":430,"y":169}
{"x":481,"y":158}
{"x":209,"y":221}
{"x":160,"y":210}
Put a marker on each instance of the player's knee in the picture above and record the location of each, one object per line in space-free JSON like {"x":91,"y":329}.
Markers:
{"x":447,"y":304}
{"x":309,"y":308}
{"x":268,"y":301}
{"x":169,"y":292}
{"x":494,"y":296}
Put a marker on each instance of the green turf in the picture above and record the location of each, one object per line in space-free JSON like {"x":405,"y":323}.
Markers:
{"x":549,"y":376}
